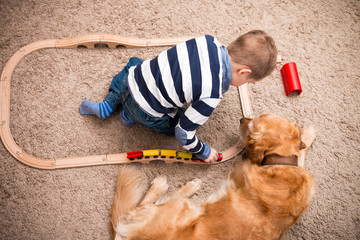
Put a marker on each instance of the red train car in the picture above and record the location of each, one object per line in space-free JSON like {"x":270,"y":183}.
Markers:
{"x":134,"y":155}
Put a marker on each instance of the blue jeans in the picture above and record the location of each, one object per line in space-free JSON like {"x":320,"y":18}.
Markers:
{"x":119,"y":94}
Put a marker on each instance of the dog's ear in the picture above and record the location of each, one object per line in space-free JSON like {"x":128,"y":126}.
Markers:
{"x":255,"y":136}
{"x":302,"y":145}
{"x":260,"y":152}
{"x":256,"y":147}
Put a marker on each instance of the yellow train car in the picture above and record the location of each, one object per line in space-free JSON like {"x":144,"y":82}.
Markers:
{"x":167,"y":153}
{"x":184,"y":155}
{"x":151,"y":153}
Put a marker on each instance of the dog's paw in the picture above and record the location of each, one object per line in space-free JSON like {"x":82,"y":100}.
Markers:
{"x":190,"y":188}
{"x":195,"y":184}
{"x":308,"y":135}
{"x":161,"y":184}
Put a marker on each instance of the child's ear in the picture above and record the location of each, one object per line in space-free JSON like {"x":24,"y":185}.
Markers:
{"x":244,"y":70}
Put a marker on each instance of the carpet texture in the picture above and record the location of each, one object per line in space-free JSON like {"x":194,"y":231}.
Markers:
{"x":47,"y":87}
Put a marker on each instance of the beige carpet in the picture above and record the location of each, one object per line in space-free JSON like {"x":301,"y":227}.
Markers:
{"x":322,"y":37}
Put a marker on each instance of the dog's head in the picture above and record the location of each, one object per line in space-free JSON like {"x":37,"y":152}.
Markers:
{"x":270,"y":134}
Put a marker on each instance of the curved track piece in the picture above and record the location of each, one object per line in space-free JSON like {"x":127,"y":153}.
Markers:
{"x":89,"y":41}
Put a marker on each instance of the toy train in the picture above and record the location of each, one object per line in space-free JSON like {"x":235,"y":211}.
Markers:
{"x":173,"y":154}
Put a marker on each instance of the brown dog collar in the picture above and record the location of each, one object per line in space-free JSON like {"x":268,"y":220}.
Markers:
{"x":275,"y":159}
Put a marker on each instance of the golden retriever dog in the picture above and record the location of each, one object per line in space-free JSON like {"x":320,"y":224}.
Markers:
{"x":264,"y":194}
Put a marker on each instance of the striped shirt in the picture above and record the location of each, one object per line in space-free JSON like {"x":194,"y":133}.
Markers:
{"x":196,"y":72}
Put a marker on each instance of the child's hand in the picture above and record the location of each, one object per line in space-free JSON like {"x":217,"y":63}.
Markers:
{"x":213,"y":157}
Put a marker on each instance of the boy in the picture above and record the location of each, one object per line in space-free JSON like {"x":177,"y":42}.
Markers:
{"x":197,"y":72}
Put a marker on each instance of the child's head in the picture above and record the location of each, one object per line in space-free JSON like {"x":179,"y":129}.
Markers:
{"x":256,"y":50}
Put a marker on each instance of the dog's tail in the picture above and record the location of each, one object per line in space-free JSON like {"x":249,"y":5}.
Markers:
{"x":129,"y":191}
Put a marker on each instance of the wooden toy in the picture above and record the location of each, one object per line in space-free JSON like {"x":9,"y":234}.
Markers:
{"x":162,"y":153}
{"x":92,"y":41}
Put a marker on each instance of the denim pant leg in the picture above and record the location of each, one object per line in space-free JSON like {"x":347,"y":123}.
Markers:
{"x":164,"y":125}
{"x":119,"y":93}
{"x":114,"y":95}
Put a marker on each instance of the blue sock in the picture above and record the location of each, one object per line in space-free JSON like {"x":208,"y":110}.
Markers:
{"x":102,"y":110}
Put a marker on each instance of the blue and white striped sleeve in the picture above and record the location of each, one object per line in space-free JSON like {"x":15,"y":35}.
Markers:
{"x":196,"y":115}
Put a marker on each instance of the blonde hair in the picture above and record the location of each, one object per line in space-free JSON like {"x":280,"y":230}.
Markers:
{"x":257,"y":50}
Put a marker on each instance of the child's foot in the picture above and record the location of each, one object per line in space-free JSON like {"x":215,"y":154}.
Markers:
{"x":126,"y":121}
{"x":102,"y":110}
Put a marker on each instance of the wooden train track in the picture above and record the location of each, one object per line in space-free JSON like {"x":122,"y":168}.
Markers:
{"x":90,"y":41}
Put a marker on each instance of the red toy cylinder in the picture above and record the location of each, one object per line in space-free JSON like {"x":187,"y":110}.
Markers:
{"x":290,"y":77}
